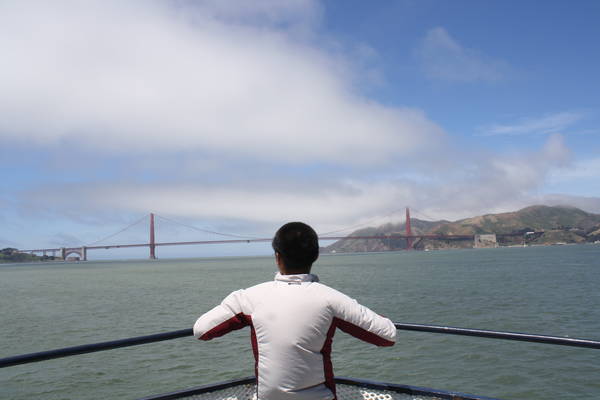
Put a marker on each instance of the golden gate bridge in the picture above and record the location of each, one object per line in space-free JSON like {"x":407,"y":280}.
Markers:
{"x":81,"y":251}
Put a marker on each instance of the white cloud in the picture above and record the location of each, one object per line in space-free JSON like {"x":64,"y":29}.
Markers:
{"x":144,"y":77}
{"x":443,"y":57}
{"x":586,"y":203}
{"x":582,"y":177}
{"x":474,"y":186}
{"x":213,"y":111}
{"x":582,"y":169}
{"x":551,"y":123}
{"x":326,"y":206}
{"x":493,"y":183}
{"x":269,"y":12}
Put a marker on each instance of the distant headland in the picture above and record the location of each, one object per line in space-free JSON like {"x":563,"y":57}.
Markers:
{"x":12,"y":255}
{"x":531,"y":226}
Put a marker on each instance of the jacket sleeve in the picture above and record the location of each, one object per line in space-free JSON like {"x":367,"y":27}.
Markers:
{"x":362,"y":323}
{"x":224,"y":318}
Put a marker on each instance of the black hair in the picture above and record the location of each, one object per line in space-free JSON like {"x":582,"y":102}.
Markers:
{"x":298,"y":246}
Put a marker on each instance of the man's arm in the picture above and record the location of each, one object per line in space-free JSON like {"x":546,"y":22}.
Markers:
{"x":362,"y":323}
{"x":224,"y":318}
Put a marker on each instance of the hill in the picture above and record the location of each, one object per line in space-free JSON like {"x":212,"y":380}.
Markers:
{"x":554,"y":225}
{"x":12,"y":255}
{"x":364,"y":245}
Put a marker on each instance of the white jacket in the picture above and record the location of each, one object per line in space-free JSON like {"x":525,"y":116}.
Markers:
{"x":292,"y":322}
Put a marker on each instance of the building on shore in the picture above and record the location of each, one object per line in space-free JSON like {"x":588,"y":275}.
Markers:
{"x":485,"y":241}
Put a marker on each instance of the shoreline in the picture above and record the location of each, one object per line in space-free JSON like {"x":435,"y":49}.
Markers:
{"x":225,"y":258}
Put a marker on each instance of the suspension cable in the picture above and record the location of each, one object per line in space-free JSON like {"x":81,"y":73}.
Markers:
{"x":121,"y":231}
{"x":205,"y":230}
{"x":422,"y":214}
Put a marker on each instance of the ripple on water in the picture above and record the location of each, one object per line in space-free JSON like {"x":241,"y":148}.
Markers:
{"x":523,"y":290}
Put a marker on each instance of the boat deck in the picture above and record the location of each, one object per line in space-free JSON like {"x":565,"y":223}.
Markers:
{"x":344,"y":392}
{"x":347,"y":389}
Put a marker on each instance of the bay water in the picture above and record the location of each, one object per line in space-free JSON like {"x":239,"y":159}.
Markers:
{"x":545,"y":290}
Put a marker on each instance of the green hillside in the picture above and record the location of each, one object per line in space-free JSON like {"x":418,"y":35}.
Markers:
{"x":11,"y":255}
{"x":553,"y":225}
{"x":534,"y":218}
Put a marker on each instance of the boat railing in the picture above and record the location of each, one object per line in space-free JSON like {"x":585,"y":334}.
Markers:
{"x":159,"y":337}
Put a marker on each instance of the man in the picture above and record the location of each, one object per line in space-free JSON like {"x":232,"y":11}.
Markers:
{"x":292,"y":321}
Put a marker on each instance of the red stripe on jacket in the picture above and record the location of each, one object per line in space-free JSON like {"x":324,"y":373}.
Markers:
{"x":236,"y":322}
{"x":350,"y":329}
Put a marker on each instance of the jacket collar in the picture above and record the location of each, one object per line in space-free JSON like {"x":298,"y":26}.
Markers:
{"x":297,"y":278}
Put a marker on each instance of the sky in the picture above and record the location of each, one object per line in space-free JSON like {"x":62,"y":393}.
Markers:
{"x":236,"y":117}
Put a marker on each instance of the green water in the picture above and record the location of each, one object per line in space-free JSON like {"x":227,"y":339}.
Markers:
{"x":549,"y":290}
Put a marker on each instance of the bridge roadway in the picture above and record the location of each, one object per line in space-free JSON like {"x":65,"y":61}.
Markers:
{"x":256,"y":240}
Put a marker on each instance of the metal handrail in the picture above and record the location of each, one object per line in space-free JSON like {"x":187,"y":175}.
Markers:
{"x":134,"y":341}
{"x":521,"y":337}
{"x":91,"y":348}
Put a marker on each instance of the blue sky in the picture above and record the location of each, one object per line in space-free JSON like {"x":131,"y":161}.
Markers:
{"x":239,"y":116}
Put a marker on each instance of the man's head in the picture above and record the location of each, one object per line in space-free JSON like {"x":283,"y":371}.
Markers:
{"x":296,"y":248}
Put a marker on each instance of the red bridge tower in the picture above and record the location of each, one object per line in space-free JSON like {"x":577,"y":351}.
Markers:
{"x":409,"y":239}
{"x":152,"y":243}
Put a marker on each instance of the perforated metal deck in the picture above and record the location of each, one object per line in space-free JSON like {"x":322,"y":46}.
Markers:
{"x":344,"y":392}
{"x":347,"y":389}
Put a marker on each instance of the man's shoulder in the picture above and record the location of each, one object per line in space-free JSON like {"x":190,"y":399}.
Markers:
{"x":324,"y":290}
{"x":259,"y":287}
{"x":249,"y":294}
{"x":271,"y":285}
{"x":327,"y":290}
